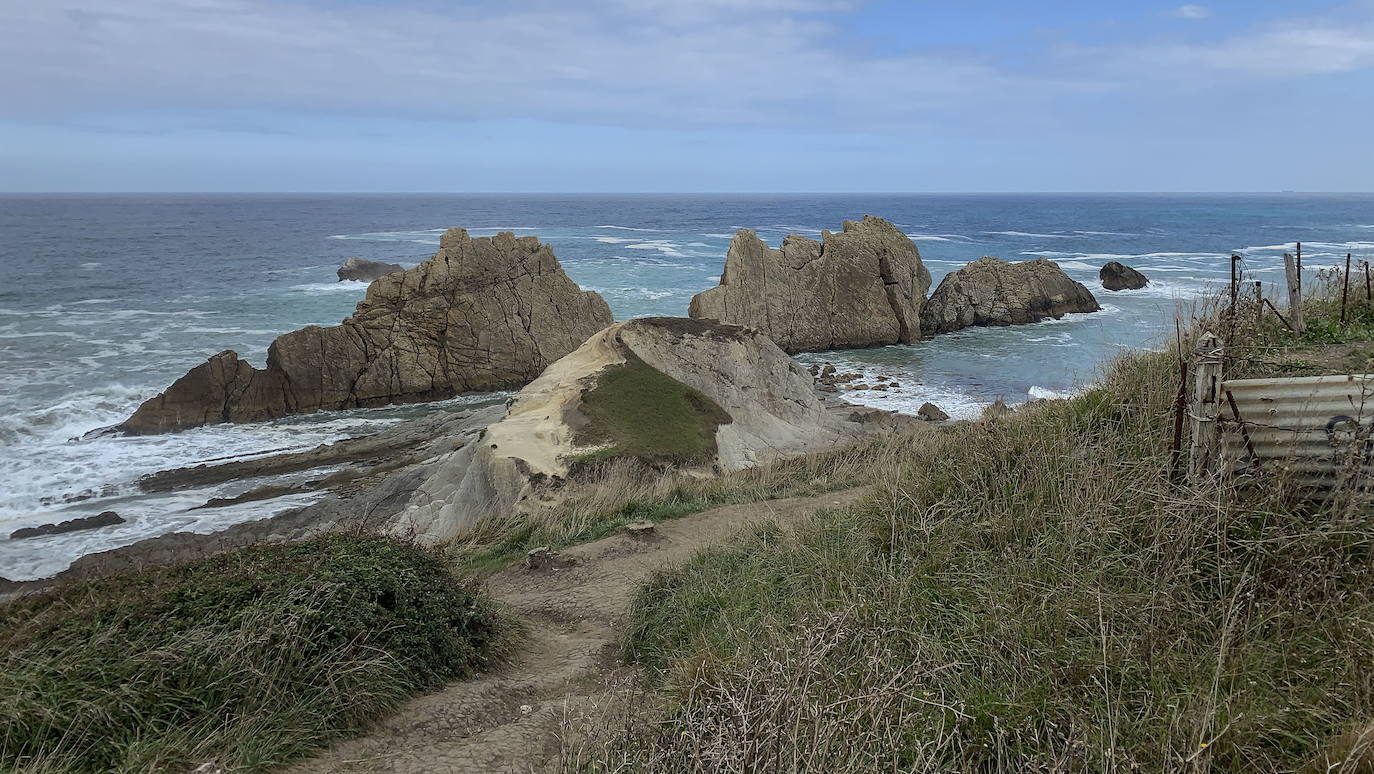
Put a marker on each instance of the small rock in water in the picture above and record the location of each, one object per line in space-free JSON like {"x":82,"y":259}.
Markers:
{"x":1118,"y":276}
{"x":931,"y":413}
{"x":360,"y":270}
{"x":106,"y":519}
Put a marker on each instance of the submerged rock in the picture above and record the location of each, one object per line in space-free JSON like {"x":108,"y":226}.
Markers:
{"x":362,"y":270}
{"x":675,"y":392}
{"x":481,"y":315}
{"x":106,"y":519}
{"x":994,"y":292}
{"x":861,"y":287}
{"x":1119,"y":276}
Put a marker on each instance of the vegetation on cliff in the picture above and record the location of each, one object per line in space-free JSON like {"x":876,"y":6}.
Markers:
{"x":247,"y":659}
{"x":1030,"y":594}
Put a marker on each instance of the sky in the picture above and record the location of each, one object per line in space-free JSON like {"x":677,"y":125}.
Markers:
{"x":686,"y":95}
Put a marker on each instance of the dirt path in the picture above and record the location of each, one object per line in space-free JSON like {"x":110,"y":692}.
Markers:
{"x":507,"y":721}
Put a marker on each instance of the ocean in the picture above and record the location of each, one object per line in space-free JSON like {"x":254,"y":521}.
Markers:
{"x":106,"y":299}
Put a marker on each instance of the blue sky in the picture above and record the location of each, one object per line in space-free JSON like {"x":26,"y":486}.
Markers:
{"x":679,"y":95}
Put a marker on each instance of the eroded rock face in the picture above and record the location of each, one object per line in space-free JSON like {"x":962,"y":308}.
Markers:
{"x":994,"y":292}
{"x":361,"y":270}
{"x":771,"y":410}
{"x":481,"y":315}
{"x":1119,"y":276}
{"x":862,"y":287}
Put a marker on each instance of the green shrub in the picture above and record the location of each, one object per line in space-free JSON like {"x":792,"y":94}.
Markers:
{"x":249,"y":658}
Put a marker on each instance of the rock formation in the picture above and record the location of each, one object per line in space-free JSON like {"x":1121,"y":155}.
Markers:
{"x":993,"y":292}
{"x":361,"y":270}
{"x":932,"y":413}
{"x":106,"y":519}
{"x":861,"y":287}
{"x":720,"y":397}
{"x":1119,"y":276}
{"x":482,"y":314}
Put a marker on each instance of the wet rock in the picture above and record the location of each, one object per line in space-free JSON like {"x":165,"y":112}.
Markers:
{"x":106,"y":519}
{"x":862,"y":287}
{"x":932,"y":413}
{"x":993,"y":292}
{"x":361,"y":270}
{"x":481,"y":315}
{"x":1119,"y":276}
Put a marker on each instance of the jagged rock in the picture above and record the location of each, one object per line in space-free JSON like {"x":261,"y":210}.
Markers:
{"x":750,"y":402}
{"x":1119,"y":276}
{"x":361,"y":270}
{"x":106,"y":519}
{"x":931,"y":413}
{"x":861,"y":287}
{"x":482,"y":314}
{"x":990,"y":291}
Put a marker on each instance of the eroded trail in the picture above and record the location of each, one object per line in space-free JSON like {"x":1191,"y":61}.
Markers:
{"x":507,"y":721}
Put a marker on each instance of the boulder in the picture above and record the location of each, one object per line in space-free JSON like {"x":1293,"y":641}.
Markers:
{"x":931,"y":413}
{"x":861,"y":287}
{"x":1119,"y":276}
{"x":106,"y":519}
{"x":990,"y":291}
{"x":481,"y":315}
{"x":362,"y":270}
{"x":670,"y":392}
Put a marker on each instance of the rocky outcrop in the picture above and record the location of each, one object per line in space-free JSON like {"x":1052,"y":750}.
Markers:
{"x":1119,"y":276}
{"x":106,"y":519}
{"x":751,"y":402}
{"x":861,"y":287}
{"x":362,"y":270}
{"x":990,"y":291}
{"x":932,"y":413}
{"x":481,"y":315}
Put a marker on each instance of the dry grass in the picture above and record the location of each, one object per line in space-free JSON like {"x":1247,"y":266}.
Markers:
{"x":1026,"y":595}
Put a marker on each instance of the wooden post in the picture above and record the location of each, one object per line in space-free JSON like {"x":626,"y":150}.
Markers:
{"x":1368,"y":292}
{"x":1205,"y":407}
{"x":1292,"y":269}
{"x":1235,"y":282}
{"x":1259,"y":304}
{"x":1345,"y":287}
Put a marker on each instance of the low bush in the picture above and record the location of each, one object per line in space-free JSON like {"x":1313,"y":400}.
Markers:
{"x":248,"y":658}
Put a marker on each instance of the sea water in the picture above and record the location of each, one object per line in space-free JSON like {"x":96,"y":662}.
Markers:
{"x":106,"y":299}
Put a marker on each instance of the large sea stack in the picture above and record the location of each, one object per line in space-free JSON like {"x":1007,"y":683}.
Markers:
{"x":482,"y":314}
{"x":862,"y":287}
{"x":994,"y":292}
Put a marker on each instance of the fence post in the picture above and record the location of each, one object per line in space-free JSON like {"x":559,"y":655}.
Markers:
{"x":1292,"y":271}
{"x":1206,"y":406}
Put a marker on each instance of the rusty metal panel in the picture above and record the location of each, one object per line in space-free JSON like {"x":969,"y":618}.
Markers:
{"x":1317,"y":429}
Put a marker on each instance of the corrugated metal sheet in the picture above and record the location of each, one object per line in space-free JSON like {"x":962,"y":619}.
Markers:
{"x":1316,"y":429}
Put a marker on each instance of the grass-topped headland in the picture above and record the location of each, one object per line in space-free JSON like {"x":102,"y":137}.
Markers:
{"x":1028,"y":594}
{"x":248,"y":659}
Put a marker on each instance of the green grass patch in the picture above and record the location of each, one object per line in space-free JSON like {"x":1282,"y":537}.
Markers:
{"x":643,"y":413}
{"x":249,"y":658}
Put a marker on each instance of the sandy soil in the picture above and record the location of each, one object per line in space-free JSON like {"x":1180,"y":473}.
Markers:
{"x":507,"y":721}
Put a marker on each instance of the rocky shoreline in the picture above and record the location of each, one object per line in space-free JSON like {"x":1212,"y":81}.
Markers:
{"x":499,"y":312}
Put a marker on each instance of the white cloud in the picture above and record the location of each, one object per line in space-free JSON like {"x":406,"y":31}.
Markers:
{"x":1193,"y":12}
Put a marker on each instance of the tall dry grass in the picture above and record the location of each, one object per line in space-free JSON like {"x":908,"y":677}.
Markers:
{"x":1032,"y":594}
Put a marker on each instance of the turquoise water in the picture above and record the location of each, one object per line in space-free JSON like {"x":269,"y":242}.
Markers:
{"x":107,"y":299}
